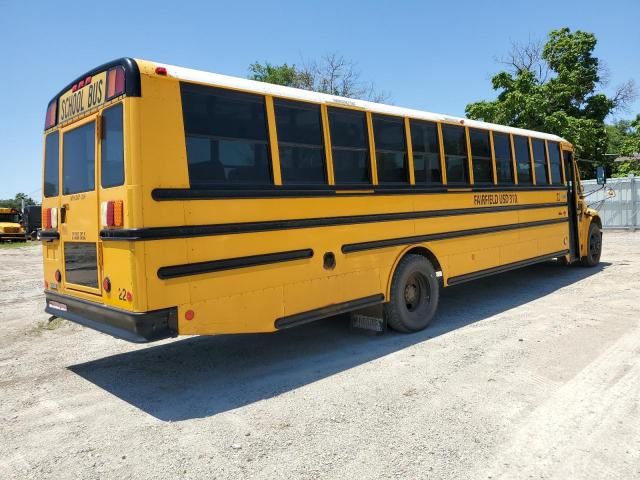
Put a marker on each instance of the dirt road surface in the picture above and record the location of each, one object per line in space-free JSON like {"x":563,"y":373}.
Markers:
{"x":529,"y":374}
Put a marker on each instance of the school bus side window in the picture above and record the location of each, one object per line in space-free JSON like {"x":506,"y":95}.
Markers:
{"x":554,"y":163}
{"x":502,"y":149}
{"x":51,"y":165}
{"x":349,"y":146}
{"x":455,"y":154}
{"x":112,"y":171}
{"x":426,"y":152}
{"x":481,"y":156}
{"x":523,"y":159}
{"x":226,"y":137}
{"x":300,"y":142}
{"x":540,"y":161}
{"x":391,"y":149}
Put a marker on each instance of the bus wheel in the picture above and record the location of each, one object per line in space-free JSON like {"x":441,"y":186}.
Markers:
{"x":594,"y":247}
{"x":414,"y":295}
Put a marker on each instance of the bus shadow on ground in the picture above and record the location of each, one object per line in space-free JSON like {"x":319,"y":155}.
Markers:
{"x":203,"y":376}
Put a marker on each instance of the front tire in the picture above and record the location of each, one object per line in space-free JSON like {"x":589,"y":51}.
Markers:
{"x":594,"y":246}
{"x":414,"y":295}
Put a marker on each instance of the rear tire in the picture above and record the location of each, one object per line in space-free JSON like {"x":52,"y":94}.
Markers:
{"x":415,"y":291}
{"x":594,"y":246}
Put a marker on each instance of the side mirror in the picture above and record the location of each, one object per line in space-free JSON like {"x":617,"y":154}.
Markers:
{"x":601,"y":175}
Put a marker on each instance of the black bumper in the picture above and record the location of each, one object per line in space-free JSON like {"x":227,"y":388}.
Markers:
{"x":131,"y":326}
{"x":12,"y":236}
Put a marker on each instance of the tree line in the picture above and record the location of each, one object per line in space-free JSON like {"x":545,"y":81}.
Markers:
{"x":16,"y":202}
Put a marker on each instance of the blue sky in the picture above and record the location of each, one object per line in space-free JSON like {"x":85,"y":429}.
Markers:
{"x":435,"y":56}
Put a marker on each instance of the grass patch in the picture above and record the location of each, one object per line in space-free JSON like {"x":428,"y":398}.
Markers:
{"x":9,"y":245}
{"x":53,"y":323}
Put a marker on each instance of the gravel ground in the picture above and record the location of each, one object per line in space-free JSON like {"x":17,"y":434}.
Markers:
{"x":529,"y":374}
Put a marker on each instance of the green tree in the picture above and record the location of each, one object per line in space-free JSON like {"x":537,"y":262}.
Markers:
{"x":332,"y":74}
{"x":631,"y":142}
{"x":16,"y":202}
{"x":616,"y":135}
{"x":284,"y":74}
{"x":624,"y":141}
{"x":555,"y":88}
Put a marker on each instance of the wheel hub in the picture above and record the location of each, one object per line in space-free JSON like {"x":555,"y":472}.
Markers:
{"x":415,"y":292}
{"x":410,"y":292}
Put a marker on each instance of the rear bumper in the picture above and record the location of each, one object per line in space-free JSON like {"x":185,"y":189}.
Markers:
{"x":131,"y":326}
{"x":13,"y":236}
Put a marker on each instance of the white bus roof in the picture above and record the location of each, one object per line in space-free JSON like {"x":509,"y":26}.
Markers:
{"x":215,"y":79}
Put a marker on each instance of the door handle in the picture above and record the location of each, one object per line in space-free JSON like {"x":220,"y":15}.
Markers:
{"x":63,"y":213}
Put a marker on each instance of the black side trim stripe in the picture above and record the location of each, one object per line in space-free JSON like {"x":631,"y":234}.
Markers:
{"x":158,"y":233}
{"x":167,"y":194}
{"x":328,"y":311}
{"x":393,"y":242}
{"x":504,"y":268}
{"x":186,"y":269}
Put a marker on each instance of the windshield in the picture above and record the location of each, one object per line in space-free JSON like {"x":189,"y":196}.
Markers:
{"x":10,"y":217}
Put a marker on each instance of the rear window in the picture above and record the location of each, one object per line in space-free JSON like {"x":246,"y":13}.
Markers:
{"x":112,"y":171}
{"x":81,"y":263}
{"x":226,"y":137}
{"x":51,"y":165}
{"x":78,"y":159}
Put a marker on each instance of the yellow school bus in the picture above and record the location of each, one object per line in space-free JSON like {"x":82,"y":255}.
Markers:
{"x":10,"y":227}
{"x":181,"y":202}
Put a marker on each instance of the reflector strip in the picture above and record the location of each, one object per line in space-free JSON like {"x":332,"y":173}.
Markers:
{"x":103,"y":214}
{"x":46,"y":218}
{"x":118,"y":221}
{"x":54,"y":218}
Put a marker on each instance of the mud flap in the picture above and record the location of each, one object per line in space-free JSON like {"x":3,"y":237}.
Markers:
{"x":369,"y":320}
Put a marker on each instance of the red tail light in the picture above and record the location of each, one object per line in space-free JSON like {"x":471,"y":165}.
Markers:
{"x":112,"y":213}
{"x":50,"y":118}
{"x":115,"y":82}
{"x":49,"y":218}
